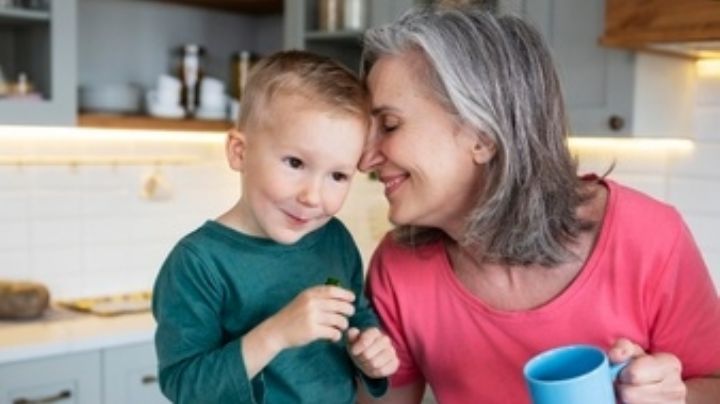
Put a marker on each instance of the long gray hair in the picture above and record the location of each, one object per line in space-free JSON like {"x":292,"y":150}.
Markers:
{"x":495,"y":74}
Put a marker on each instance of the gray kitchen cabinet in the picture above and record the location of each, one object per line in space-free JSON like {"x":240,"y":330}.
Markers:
{"x":302,"y":27}
{"x":597,"y":82}
{"x":130,"y":375}
{"x":70,"y":378}
{"x":42,"y":45}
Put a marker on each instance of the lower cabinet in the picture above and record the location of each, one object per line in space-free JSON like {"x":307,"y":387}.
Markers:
{"x":72,"y":378}
{"x":130,"y":375}
{"x":119,"y":375}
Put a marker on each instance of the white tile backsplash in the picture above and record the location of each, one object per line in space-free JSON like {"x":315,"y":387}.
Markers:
{"x":88,"y":231}
{"x":707,"y":123}
{"x":694,"y":195}
{"x":13,"y":206}
{"x":708,"y":91}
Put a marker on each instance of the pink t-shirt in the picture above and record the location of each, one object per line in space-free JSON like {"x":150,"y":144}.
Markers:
{"x":645,"y":280}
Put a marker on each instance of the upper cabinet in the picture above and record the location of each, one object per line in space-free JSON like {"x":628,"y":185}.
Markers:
{"x":334,"y":27}
{"x":689,"y":27}
{"x":597,"y":82}
{"x":38,"y":62}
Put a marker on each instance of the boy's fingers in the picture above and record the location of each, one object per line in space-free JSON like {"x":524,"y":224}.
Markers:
{"x":365,"y":340}
{"x":352,"y":334}
{"x":337,"y":292}
{"x":344,"y":308}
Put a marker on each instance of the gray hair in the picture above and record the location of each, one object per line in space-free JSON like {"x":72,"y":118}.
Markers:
{"x":495,"y":74}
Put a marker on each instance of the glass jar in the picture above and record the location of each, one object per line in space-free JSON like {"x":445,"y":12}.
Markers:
{"x":330,"y":14}
{"x":240,"y":67}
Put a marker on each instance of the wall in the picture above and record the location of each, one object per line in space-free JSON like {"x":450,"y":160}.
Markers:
{"x":87,"y":230}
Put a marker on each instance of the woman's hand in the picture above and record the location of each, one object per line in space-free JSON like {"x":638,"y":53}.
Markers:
{"x":372,"y":352}
{"x":648,"y":378}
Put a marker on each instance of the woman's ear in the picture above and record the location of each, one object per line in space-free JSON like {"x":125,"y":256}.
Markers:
{"x":235,"y":148}
{"x":483,"y":150}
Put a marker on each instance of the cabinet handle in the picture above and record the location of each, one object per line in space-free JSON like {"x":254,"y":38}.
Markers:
{"x":149,"y":379}
{"x":616,"y":122}
{"x":50,"y":399}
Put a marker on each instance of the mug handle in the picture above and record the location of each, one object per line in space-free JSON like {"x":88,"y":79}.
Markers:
{"x":617,"y":368}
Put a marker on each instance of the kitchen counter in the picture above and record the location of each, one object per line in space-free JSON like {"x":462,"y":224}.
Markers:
{"x":62,"y":331}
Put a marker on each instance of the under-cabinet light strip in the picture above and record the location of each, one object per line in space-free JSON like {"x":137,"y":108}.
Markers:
{"x":94,"y":134}
{"x":22,"y":161}
{"x":631,"y":144}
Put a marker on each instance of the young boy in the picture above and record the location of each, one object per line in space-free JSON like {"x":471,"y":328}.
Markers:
{"x":243,"y":311}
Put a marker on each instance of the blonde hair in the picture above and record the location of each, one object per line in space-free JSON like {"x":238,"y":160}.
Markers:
{"x":322,"y":81}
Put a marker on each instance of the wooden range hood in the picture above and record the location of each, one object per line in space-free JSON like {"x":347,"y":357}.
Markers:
{"x":683,"y":27}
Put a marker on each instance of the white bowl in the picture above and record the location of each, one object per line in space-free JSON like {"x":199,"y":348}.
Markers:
{"x":157,"y":108}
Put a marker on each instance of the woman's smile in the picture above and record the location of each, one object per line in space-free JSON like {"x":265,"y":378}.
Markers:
{"x":393,"y":182}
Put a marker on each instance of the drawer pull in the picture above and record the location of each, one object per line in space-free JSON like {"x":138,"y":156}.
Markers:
{"x":50,"y":399}
{"x":149,"y":379}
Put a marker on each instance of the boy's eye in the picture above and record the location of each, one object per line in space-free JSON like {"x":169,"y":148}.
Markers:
{"x":340,"y":177}
{"x":293,"y":162}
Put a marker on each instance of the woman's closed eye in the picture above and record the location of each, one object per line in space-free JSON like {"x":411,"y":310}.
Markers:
{"x":388,"y":128}
{"x":389,"y":124}
{"x":293,"y":162}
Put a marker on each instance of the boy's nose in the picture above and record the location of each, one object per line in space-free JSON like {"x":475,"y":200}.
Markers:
{"x":310,"y":194}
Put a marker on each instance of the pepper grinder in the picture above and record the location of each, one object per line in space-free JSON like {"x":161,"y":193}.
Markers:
{"x":190,"y":73}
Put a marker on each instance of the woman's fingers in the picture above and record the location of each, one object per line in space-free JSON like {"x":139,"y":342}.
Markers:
{"x":647,"y":378}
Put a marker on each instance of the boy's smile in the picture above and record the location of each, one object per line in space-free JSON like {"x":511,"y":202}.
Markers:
{"x":296,"y":169}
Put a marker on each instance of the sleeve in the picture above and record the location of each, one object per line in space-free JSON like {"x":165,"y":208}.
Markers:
{"x":685,"y":310}
{"x":381,"y":292}
{"x":195,"y":365}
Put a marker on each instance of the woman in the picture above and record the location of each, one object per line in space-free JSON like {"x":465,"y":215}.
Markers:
{"x":500,"y":250}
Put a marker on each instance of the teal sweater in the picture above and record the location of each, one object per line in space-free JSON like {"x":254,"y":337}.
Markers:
{"x":217,"y":284}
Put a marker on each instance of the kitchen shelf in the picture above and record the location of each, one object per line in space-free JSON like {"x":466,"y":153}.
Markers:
{"x":349,"y":35}
{"x":23,"y":16}
{"x":236,"y":6}
{"x":110,"y":121}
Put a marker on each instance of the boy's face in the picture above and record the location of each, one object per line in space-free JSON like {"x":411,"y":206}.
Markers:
{"x":296,"y":169}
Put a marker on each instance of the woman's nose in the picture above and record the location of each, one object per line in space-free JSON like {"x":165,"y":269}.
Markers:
{"x":371,"y":156}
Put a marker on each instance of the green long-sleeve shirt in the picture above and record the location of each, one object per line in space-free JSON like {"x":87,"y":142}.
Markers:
{"x":217,"y":284}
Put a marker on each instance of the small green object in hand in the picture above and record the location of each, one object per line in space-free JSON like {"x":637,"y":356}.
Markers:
{"x":332,"y":281}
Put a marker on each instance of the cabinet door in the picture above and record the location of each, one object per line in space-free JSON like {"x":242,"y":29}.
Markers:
{"x":46,"y":51}
{"x":130,"y":375}
{"x":72,"y":378}
{"x":597,"y":82}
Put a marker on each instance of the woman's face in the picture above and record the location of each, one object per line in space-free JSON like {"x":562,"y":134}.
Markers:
{"x":430,"y":165}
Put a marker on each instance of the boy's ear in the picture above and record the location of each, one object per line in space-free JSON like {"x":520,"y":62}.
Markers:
{"x":235,"y":147}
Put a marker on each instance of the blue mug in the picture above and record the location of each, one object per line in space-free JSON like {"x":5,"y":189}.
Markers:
{"x":572,"y":374}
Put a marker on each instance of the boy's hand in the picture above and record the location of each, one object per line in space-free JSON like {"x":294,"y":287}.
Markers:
{"x":372,"y":352}
{"x":319,"y":312}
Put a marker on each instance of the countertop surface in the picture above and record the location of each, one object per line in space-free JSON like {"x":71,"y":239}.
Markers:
{"x":61,"y":331}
